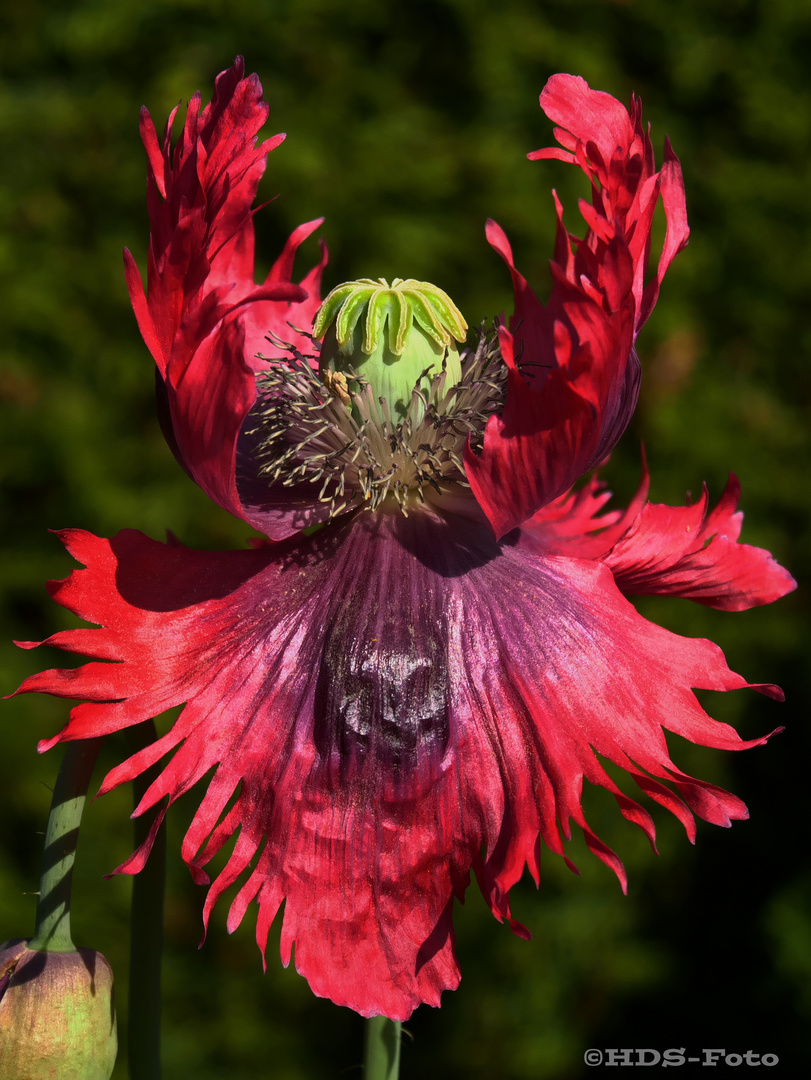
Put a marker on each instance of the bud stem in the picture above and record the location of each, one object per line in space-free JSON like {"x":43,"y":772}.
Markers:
{"x":146,"y":929}
{"x":52,"y":933}
{"x":382,"y":1053}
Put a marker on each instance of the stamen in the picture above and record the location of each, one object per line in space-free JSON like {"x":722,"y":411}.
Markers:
{"x":317,"y":432}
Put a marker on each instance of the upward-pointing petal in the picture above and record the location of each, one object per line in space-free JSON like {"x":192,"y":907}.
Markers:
{"x":204,"y":318}
{"x":583,"y":338}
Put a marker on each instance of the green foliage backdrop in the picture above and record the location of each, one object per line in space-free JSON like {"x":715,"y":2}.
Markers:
{"x":408,"y":125}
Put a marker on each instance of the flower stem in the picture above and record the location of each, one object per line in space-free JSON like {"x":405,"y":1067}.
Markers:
{"x":146,"y":930}
{"x":52,"y":933}
{"x":382,"y":1055}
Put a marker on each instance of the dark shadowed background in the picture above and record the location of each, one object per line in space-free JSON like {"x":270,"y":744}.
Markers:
{"x":408,"y":125}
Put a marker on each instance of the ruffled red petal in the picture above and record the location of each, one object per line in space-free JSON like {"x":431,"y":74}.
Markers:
{"x":653,"y":549}
{"x":573,"y":524}
{"x":545,"y":438}
{"x":205,"y":320}
{"x":614,"y":150}
{"x":385,"y":706}
{"x":693,"y":552}
{"x":579,"y":348}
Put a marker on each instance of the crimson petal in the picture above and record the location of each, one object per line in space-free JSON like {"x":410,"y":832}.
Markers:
{"x":573,"y":524}
{"x":611,"y":146}
{"x":385,"y":706}
{"x":579,"y":348}
{"x":204,"y":319}
{"x":692,"y":552}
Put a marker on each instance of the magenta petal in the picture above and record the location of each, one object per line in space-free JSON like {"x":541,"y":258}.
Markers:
{"x":590,"y":115}
{"x":381,"y":709}
{"x":579,"y":347}
{"x":678,"y":232}
{"x":531,"y":324}
{"x":547,"y":437}
{"x":277,"y":510}
{"x":203,"y":318}
{"x":690,"y":552}
{"x":652,"y":549}
{"x":264,"y":320}
{"x":535,"y":450}
{"x":612,"y":147}
{"x":573,"y":524}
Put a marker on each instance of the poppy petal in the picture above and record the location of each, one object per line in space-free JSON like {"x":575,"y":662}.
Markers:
{"x":203,"y":317}
{"x":385,"y":707}
{"x":693,"y":552}
{"x":579,"y":347}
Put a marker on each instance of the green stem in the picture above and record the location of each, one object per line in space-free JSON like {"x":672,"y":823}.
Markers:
{"x":52,"y":933}
{"x":146,"y":930}
{"x":382,"y":1057}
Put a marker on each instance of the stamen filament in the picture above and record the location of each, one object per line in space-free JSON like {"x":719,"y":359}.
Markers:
{"x":354,"y":450}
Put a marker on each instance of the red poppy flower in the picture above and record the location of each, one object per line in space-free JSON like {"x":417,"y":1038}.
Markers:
{"x":418,"y":686}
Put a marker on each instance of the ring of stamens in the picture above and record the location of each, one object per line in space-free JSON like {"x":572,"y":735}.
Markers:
{"x":349,"y":444}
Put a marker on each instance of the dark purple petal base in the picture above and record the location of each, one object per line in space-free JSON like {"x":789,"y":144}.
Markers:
{"x":385,"y":706}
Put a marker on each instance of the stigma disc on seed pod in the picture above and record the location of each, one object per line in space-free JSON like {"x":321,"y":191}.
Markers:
{"x":395,"y":337}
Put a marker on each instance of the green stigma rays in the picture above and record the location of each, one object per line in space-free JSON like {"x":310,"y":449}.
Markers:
{"x":392,"y":336}
{"x":401,"y":304}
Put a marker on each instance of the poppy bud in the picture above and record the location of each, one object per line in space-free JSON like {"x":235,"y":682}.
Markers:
{"x":57,"y":1014}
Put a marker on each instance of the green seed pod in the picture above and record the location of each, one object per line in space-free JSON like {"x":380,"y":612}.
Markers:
{"x":57,"y":1015}
{"x":390,"y":336}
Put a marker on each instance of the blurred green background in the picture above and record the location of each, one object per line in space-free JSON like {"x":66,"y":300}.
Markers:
{"x":407,"y":126}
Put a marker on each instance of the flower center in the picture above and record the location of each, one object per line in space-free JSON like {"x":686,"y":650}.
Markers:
{"x":392,"y":336}
{"x":385,"y":411}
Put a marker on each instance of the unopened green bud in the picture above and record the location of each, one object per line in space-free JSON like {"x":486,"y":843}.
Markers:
{"x":390,"y":336}
{"x":57,"y":1017}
